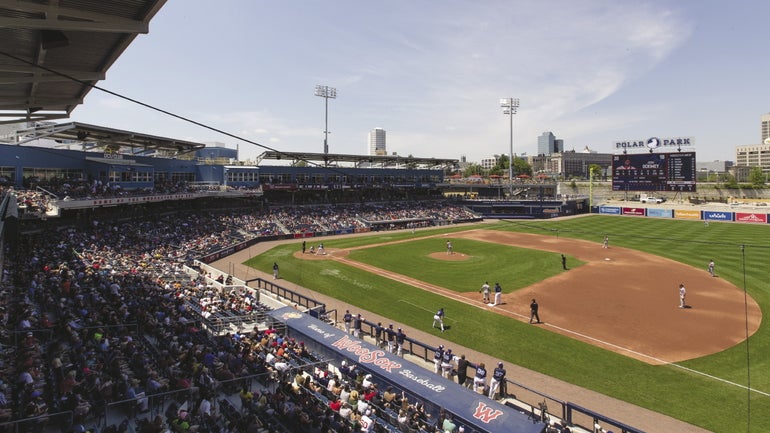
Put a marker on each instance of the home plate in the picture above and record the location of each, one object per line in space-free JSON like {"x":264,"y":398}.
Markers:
{"x":607,"y":259}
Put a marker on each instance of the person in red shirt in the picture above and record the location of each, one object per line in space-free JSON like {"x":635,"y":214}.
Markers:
{"x":335,"y":404}
{"x":370,"y":393}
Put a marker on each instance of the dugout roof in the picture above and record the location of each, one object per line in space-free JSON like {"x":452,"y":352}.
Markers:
{"x":470,"y":408}
{"x":52,"y":52}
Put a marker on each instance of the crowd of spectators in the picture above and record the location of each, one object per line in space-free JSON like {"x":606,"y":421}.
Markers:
{"x":102,"y":313}
{"x":34,"y":202}
{"x":275,"y":220}
{"x":76,"y":189}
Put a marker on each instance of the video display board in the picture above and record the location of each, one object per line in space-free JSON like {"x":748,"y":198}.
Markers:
{"x":673,"y":172}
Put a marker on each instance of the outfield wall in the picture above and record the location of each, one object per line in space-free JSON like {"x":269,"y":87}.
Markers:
{"x":750,"y":216}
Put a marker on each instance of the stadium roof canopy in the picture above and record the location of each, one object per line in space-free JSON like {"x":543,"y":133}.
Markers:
{"x":52,"y":52}
{"x":374,"y":161}
{"x":93,"y":137}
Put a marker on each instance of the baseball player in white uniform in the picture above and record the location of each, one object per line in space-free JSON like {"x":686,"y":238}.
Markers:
{"x":439,"y":317}
{"x":485,"y":292}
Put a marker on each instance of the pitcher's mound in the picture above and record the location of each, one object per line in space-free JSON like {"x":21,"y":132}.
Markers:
{"x":456,"y":257}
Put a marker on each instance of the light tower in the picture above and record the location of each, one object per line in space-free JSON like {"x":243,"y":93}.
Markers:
{"x":509,"y":107}
{"x":326,"y":92}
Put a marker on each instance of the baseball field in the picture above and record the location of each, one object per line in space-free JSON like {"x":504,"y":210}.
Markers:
{"x":612,"y":321}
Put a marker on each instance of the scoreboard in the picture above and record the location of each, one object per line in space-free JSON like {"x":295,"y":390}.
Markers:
{"x":673,"y":172}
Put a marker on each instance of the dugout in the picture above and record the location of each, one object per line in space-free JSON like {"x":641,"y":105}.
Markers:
{"x":474,"y":411}
{"x":527,"y":209}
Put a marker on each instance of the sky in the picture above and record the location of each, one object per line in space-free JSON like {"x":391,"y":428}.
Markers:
{"x":432,"y":73}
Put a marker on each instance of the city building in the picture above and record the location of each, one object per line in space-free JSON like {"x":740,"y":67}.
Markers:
{"x":753,"y":155}
{"x":547,"y":143}
{"x":712,"y":171}
{"x":488,"y":163}
{"x":713,"y":166}
{"x":377,"y":142}
{"x":571,"y":164}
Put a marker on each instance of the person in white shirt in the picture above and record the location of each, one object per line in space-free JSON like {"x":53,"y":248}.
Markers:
{"x":367,"y":382}
{"x":345,"y":410}
{"x":363,"y":405}
{"x":367,"y":423}
{"x":204,"y":408}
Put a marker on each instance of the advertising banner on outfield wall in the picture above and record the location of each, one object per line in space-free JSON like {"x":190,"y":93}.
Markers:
{"x":633,"y":211}
{"x":687,"y":214}
{"x":758,"y":218}
{"x":609,"y":210}
{"x":660,"y":213}
{"x":717,"y":216}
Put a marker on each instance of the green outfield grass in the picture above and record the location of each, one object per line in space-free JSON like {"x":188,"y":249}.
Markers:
{"x":740,"y":251}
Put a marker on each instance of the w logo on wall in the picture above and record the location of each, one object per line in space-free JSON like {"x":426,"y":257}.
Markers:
{"x":485,"y":413}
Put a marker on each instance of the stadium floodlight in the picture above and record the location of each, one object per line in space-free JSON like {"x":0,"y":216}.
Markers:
{"x":510,"y":105}
{"x":326,"y":92}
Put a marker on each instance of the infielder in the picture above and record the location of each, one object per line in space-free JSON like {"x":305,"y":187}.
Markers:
{"x":498,"y":294}
{"x":439,"y":317}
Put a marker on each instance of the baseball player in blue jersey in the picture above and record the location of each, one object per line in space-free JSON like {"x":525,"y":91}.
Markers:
{"x":438,"y":355}
{"x":400,"y":340}
{"x":498,"y":294}
{"x":391,"y":335}
{"x":347,"y":319}
{"x":498,"y":376}
{"x":480,"y":380}
{"x":447,"y":363}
